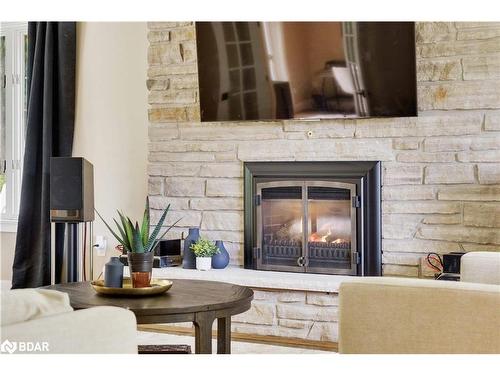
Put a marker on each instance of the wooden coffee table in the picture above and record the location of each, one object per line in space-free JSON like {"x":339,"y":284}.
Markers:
{"x":197,"y":301}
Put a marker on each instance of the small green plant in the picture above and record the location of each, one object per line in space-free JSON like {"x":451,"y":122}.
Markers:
{"x":135,"y":238}
{"x":204,"y":248}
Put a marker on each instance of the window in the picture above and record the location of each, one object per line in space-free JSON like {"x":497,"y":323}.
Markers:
{"x":13,"y":102}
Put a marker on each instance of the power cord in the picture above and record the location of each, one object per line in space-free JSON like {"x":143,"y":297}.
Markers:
{"x":435,"y":262}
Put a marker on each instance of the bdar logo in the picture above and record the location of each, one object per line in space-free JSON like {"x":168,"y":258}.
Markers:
{"x":8,"y":347}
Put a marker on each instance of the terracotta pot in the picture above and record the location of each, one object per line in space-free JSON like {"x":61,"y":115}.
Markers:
{"x":141,"y":268}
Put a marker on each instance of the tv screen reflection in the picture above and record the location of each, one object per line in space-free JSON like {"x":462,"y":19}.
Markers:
{"x":306,"y":70}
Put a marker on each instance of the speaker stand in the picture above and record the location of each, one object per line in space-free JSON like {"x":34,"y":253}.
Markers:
{"x":68,"y":266}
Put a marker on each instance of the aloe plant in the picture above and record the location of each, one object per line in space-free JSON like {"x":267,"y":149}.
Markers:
{"x":135,"y":238}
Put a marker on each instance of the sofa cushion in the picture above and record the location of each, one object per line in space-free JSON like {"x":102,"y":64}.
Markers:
{"x":480,"y":267}
{"x":97,"y":330}
{"x":21,"y":305}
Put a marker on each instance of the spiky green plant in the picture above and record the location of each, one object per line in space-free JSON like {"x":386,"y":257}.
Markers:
{"x":135,"y":238}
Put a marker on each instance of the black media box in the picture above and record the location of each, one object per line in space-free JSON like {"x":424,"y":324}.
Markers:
{"x":167,"y":254}
{"x":451,"y":262}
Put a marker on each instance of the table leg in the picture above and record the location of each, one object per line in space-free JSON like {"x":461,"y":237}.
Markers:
{"x":224,"y":335}
{"x":203,"y":332}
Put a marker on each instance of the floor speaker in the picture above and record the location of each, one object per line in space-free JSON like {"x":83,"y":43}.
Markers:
{"x":71,"y":190}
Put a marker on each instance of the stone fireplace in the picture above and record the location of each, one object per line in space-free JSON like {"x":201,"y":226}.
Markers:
{"x":440,"y":179}
{"x":440,"y":171}
{"x":313,"y":217}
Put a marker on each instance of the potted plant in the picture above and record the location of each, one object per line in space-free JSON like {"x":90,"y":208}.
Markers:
{"x":204,"y":251}
{"x":139,"y":244}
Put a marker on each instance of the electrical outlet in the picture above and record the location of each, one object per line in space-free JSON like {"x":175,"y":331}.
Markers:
{"x":100,"y":245}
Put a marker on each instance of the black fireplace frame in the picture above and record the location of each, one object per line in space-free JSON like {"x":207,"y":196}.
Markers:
{"x":367,"y":174}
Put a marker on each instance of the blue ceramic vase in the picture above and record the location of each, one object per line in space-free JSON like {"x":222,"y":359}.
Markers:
{"x":189,"y":259}
{"x":113,"y":273}
{"x":221,"y":260}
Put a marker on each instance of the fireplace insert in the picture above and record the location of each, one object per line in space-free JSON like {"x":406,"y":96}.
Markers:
{"x":316,"y":217}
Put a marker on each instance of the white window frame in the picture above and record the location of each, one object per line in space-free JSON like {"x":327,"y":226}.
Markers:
{"x":14,"y":33}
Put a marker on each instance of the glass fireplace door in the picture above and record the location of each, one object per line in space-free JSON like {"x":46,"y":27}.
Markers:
{"x":280,"y":219}
{"x":331,"y":228}
{"x":306,"y":226}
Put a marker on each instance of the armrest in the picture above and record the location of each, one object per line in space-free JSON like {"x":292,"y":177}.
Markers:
{"x":20,"y":305}
{"x":397,"y":315}
{"x":480,"y":267}
{"x":99,"y":330}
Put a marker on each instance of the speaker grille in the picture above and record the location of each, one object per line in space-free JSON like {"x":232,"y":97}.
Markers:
{"x":71,"y":189}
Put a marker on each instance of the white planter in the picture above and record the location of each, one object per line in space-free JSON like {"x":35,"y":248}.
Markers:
{"x":203,"y":263}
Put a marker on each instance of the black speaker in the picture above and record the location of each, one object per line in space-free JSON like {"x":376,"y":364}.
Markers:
{"x":168,"y":248}
{"x":451,"y":262}
{"x":71,"y":190}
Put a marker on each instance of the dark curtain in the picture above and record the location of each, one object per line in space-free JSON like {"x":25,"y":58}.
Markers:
{"x":49,"y":132}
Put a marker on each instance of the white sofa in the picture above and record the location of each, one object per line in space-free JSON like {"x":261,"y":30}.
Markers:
{"x":480,"y":267}
{"x":401,"y":315}
{"x":42,"y":321}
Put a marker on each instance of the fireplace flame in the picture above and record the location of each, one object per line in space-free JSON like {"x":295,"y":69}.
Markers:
{"x":339,"y":241}
{"x":327,"y":238}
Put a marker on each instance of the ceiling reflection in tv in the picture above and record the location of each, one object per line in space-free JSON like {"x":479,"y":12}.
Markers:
{"x":306,"y":70}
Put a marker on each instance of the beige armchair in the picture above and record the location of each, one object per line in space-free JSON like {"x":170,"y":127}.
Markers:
{"x":400,"y":315}
{"x":42,"y":321}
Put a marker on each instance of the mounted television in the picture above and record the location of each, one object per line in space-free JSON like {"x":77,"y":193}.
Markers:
{"x":306,"y":70}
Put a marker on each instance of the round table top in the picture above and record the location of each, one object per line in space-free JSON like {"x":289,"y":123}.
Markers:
{"x":185,"y":296}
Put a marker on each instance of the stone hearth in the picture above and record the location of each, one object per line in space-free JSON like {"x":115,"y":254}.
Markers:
{"x":285,"y":304}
